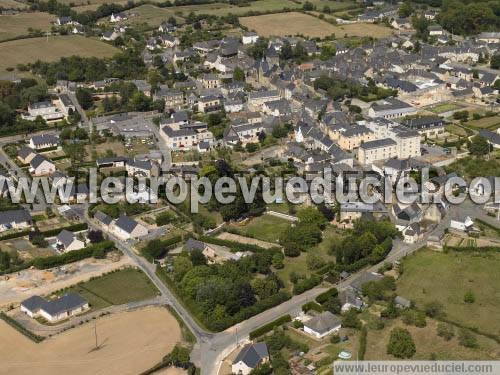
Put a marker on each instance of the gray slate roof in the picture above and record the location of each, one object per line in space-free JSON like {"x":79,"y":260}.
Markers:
{"x":65,"y":237}
{"x":323,"y":322}
{"x":126,"y":223}
{"x":252,"y":354}
{"x":67,"y":302}
{"x":14,"y":216}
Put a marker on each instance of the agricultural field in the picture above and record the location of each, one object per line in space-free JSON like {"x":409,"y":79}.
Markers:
{"x":16,"y":25}
{"x":428,"y":343}
{"x":116,"y":288}
{"x":128,"y":343}
{"x":12,"y":4}
{"x":294,"y":23}
{"x":30,"y":50}
{"x":446,"y":277}
{"x":491,"y":123}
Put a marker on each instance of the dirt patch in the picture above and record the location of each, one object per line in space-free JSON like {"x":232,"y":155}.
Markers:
{"x":129,"y":342}
{"x":247,"y":240}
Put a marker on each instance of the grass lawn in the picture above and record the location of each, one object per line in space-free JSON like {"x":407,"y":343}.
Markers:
{"x":30,"y":50}
{"x":265,"y":227}
{"x":444,"y":107}
{"x":457,"y":130}
{"x":446,"y":277}
{"x":491,"y":123}
{"x":116,"y":288}
{"x":470,"y":168}
{"x":15,"y":25}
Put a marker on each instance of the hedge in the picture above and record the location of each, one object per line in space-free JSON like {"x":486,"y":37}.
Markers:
{"x":312,"y":306}
{"x":270,"y":326}
{"x":72,"y":228}
{"x":471,"y":248}
{"x":236,"y":246}
{"x":16,"y":325}
{"x":15,"y":235}
{"x":362,"y":343}
{"x":72,"y":256}
{"x":325,"y":296}
{"x":488,"y":225}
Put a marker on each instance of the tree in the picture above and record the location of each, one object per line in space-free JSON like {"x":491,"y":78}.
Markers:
{"x":84,"y":97}
{"x":314,"y":261}
{"x":401,"y":344}
{"x":179,"y":357}
{"x":308,"y":6}
{"x":95,"y":236}
{"x":405,"y":10}
{"x":434,"y":309}
{"x":333,"y":305}
{"x":495,"y":62}
{"x":4,"y":260}
{"x":197,"y":258}
{"x":181,"y":266}
{"x":238,"y":74}
{"x":311,"y":216}
{"x":479,"y":146}
{"x":251,"y":147}
{"x":351,"y":320}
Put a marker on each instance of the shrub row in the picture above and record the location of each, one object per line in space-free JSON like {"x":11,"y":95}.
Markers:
{"x":312,"y":306}
{"x":270,"y":326}
{"x":471,"y":248}
{"x":72,"y":228}
{"x":325,"y":296}
{"x":14,"y":324}
{"x":72,"y":256}
{"x":362,"y":343}
{"x":15,"y":235}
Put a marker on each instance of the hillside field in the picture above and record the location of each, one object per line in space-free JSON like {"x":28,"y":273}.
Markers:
{"x":24,"y":51}
{"x":12,"y":26}
{"x":294,"y":23}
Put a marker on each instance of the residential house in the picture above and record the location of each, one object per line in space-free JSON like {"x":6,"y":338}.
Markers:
{"x":126,"y":228}
{"x":15,"y":219}
{"x":67,"y":241}
{"x":26,"y":154}
{"x":142,"y":168}
{"x":210,"y":81}
{"x":257,"y":98}
{"x":46,"y":109}
{"x":41,"y":166}
{"x":103,"y":219}
{"x":66,"y":104}
{"x":322,"y":325}
{"x":250,"y":357}
{"x":426,"y":126}
{"x":40,"y":142}
{"x":209,"y":103}
{"x":354,"y":136}
{"x":349,"y":300}
{"x":117,"y":17}
{"x":412,"y":233}
{"x":249,"y":37}
{"x":55,"y":310}
{"x":277,"y":108}
{"x":110,"y":36}
{"x":462,"y":223}
{"x":167,"y":27}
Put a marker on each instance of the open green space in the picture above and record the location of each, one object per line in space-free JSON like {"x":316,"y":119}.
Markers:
{"x":265,"y":228}
{"x":446,"y":277}
{"x":20,"y":24}
{"x":444,"y":107}
{"x":116,"y":288}
{"x":26,"y":51}
{"x":491,"y":122}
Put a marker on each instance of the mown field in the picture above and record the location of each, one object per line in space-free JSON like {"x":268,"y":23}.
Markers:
{"x":12,"y":26}
{"x":29,"y":50}
{"x":116,"y":288}
{"x":446,"y":277}
{"x":265,"y":227}
{"x":12,"y":4}
{"x":294,"y":23}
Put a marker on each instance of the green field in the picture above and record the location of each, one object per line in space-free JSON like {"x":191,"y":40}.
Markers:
{"x":30,"y":50}
{"x":265,"y":227}
{"x":116,"y":288}
{"x":444,"y":107}
{"x":12,"y":26}
{"x":446,"y":277}
{"x":492,"y":123}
